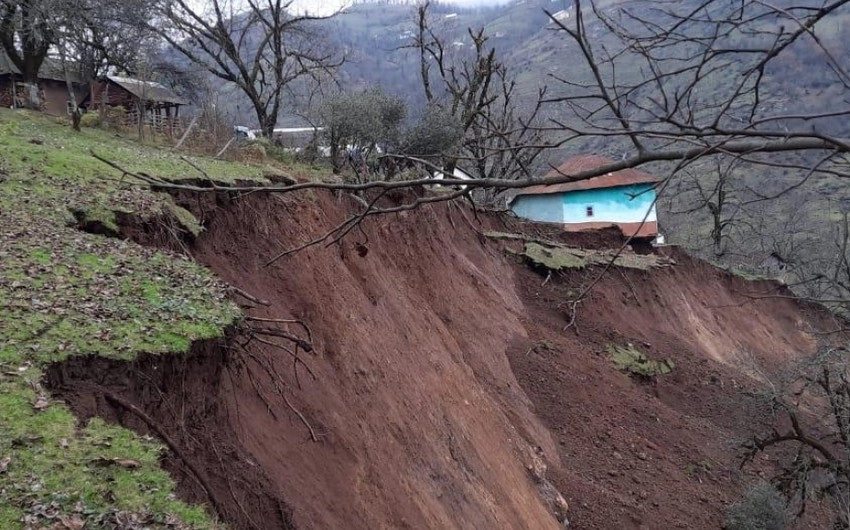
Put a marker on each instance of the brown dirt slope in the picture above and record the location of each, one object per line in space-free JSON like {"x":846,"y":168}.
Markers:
{"x":442,"y":369}
{"x":660,"y":454}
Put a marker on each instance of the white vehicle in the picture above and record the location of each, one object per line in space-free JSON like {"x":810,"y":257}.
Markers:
{"x":244,"y":133}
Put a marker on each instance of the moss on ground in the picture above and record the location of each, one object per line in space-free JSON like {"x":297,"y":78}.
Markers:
{"x":561,"y":257}
{"x":554,"y":258}
{"x":634,"y":362}
{"x":63,"y":293}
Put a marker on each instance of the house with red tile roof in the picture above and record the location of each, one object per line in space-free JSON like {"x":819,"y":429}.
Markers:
{"x":625,"y":199}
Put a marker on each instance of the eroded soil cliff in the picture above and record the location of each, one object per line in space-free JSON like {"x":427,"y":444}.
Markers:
{"x":442,"y":377}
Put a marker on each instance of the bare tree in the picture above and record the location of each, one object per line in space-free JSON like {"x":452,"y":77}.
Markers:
{"x":73,"y":104}
{"x":498,"y":134}
{"x":260,"y":45}
{"x":709,"y":193}
{"x":26,"y":36}
{"x":100,"y":36}
{"x":84,"y":38}
{"x":810,"y":436}
{"x":681,"y":81}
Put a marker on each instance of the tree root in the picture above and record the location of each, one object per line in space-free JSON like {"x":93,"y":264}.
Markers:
{"x":152,"y":425}
{"x":279,"y":388}
{"x":232,"y":493}
{"x":249,"y":296}
{"x":284,"y":321}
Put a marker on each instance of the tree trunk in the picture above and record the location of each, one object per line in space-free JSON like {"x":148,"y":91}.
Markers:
{"x":32,"y":100}
{"x":31,"y":66}
{"x":335,"y":162}
{"x":449,"y":166}
{"x":140,"y":108}
{"x":267,"y":123}
{"x":76,"y":118}
{"x":76,"y":113}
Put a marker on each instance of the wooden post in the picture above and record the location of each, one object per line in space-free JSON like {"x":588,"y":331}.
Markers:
{"x":223,"y":149}
{"x":186,"y":132}
{"x":104,"y":100}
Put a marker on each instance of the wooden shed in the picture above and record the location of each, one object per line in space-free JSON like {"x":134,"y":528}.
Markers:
{"x":153,"y":101}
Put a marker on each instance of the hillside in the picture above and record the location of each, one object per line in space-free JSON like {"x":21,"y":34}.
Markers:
{"x":436,"y":381}
{"x":65,"y":293}
{"x":377,"y":39}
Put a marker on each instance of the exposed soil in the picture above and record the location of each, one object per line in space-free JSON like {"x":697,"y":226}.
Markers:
{"x":163,"y":231}
{"x":665,"y":453}
{"x":443,"y":369}
{"x":604,"y":238}
{"x":92,"y":226}
{"x":183,"y":395}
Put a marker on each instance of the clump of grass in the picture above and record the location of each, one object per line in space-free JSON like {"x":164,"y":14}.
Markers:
{"x":634,"y":362}
{"x":186,"y":219}
{"x":761,"y":508}
{"x":558,"y":257}
{"x":746,"y":274}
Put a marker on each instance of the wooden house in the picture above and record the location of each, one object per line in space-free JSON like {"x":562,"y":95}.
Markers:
{"x":52,"y":86}
{"x":154,"y":102}
{"x":625,"y":199}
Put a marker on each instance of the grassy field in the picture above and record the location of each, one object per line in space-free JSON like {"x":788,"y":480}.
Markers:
{"x":64,"y":292}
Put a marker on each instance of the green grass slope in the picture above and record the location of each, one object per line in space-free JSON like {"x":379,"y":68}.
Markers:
{"x":64,"y":292}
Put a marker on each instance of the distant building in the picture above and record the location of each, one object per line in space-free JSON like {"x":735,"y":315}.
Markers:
{"x":625,"y":199}
{"x":52,"y":86}
{"x":458,"y":173}
{"x":155,"y":103}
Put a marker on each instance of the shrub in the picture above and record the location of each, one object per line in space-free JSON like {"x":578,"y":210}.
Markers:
{"x":253,"y":152}
{"x":274,"y":151}
{"x":90,"y":119}
{"x":436,"y":132}
{"x":762,"y":508}
{"x":112,"y":117}
{"x":628,"y":358}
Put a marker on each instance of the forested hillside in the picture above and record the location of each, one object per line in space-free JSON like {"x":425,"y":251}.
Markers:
{"x":380,"y":37}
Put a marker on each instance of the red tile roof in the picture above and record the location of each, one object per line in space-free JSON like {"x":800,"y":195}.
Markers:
{"x":582,"y":163}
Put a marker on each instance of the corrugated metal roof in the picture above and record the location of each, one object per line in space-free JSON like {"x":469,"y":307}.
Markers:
{"x":147,"y":90}
{"x":582,"y":163}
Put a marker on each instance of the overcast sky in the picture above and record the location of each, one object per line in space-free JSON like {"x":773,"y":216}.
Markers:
{"x":329,"y":6}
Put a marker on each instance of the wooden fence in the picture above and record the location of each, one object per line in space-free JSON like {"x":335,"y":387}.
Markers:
{"x":156,"y":122}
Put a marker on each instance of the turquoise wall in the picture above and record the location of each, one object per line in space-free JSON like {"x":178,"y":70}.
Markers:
{"x":544,"y":208}
{"x":621,"y":204}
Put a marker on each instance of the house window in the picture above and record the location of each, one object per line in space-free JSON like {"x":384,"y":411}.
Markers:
{"x":590,"y":211}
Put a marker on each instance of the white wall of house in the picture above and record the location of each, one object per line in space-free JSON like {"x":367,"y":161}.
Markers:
{"x":620,"y":204}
